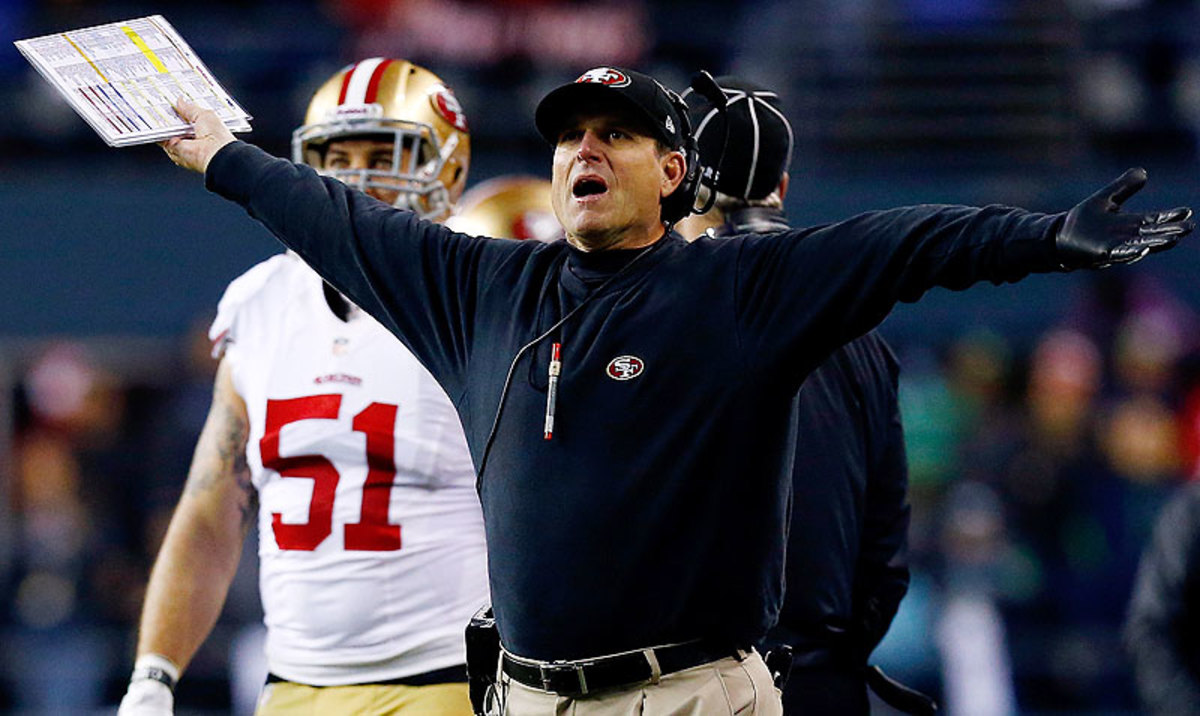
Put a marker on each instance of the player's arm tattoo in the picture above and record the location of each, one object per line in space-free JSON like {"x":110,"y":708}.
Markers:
{"x":219,"y":465}
{"x":240,"y":470}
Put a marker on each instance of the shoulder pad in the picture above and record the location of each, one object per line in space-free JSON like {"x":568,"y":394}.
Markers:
{"x":241,"y":291}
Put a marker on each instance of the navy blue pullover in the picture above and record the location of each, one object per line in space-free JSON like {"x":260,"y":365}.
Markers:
{"x":656,"y":514}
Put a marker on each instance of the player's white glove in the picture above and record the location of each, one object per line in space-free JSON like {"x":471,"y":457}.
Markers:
{"x":147,"y":697}
{"x":150,"y":691}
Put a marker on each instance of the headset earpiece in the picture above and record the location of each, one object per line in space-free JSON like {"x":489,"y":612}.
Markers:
{"x":679,"y":203}
{"x":682,"y":201}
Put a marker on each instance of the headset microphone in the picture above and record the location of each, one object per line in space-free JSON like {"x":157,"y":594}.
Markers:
{"x":707,"y":87}
{"x":682,"y":201}
{"x":704,"y":85}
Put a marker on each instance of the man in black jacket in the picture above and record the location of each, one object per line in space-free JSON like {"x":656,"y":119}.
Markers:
{"x":626,"y":395}
{"x":1162,"y":633}
{"x":846,"y":569}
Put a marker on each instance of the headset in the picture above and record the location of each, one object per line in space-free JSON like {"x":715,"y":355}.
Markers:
{"x":682,"y":201}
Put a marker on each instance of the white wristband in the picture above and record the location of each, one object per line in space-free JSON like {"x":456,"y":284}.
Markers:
{"x":156,"y":667}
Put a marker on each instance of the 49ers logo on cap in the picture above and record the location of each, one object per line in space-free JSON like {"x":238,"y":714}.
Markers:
{"x":625,"y":367}
{"x":446,"y":105}
{"x":605,"y":76}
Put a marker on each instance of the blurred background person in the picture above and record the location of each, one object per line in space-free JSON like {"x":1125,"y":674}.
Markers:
{"x":1161,"y":631}
{"x":73,"y":569}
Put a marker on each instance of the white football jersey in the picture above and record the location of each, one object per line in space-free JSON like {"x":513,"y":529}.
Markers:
{"x":370,"y":531}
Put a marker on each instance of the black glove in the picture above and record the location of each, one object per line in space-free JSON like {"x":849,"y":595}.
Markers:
{"x":1097,"y":234}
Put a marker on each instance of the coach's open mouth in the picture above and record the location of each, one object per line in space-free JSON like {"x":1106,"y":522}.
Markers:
{"x":588,"y":186}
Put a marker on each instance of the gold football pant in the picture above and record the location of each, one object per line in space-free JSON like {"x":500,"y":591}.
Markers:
{"x":285,"y":698}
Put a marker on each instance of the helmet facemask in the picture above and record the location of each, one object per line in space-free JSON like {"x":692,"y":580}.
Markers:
{"x":417,"y":160}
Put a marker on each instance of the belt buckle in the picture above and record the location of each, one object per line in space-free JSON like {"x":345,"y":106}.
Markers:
{"x":547,"y":672}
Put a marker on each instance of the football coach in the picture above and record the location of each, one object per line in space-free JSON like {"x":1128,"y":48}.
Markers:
{"x":625,"y":394}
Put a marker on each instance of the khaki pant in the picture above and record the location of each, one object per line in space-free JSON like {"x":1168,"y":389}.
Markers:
{"x":287,"y":699}
{"x":726,"y":686}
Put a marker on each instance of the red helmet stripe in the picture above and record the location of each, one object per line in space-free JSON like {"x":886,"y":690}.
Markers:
{"x":376,"y":78}
{"x":346,"y":84}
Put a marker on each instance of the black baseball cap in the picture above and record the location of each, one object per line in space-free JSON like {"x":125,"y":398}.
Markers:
{"x":760,"y":137}
{"x":642,"y":94}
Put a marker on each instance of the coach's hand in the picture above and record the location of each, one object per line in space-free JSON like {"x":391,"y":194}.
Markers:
{"x":1098,"y":234}
{"x":209,"y":135}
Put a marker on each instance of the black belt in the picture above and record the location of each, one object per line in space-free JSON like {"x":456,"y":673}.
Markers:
{"x":576,"y":678}
{"x":448,"y":675}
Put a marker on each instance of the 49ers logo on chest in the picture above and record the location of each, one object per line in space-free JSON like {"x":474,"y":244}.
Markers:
{"x":605,"y":76}
{"x":625,"y":367}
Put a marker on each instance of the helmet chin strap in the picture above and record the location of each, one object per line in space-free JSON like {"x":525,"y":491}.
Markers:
{"x":448,"y":148}
{"x":435,"y":208}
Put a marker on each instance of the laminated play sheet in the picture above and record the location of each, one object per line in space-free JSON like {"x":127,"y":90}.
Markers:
{"x":124,"y":77}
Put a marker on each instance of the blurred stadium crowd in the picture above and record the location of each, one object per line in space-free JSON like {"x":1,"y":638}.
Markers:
{"x":1046,"y":426}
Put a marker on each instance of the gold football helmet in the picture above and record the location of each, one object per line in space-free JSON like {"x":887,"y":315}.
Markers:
{"x":392,"y":100}
{"x":511,"y":207}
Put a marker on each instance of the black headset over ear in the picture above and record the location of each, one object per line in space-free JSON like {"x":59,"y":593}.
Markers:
{"x":682,"y":201}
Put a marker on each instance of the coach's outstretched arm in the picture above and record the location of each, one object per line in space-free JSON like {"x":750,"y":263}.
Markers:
{"x":422,"y":281}
{"x":872,"y":261}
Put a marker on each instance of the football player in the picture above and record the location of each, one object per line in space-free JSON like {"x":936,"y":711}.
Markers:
{"x":325,"y":429}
